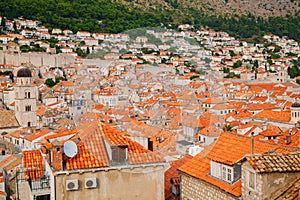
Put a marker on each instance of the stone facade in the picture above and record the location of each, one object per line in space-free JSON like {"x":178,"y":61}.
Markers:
{"x":193,"y":188}
{"x":37,"y":59}
{"x":25,"y":102}
{"x":134,"y":183}
{"x":265,"y":184}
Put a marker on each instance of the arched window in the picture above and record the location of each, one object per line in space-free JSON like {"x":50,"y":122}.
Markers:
{"x":27,"y":95}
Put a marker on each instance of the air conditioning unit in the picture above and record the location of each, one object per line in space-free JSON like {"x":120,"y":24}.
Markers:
{"x":72,"y":184}
{"x":90,"y":182}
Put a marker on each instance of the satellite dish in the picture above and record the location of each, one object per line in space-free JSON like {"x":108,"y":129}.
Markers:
{"x":70,"y":149}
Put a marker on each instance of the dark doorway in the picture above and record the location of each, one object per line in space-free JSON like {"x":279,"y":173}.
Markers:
{"x":43,"y":197}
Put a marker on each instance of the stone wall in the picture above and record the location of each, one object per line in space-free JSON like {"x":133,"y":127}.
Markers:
{"x":146,"y":183}
{"x":193,"y":188}
{"x":266,"y":184}
{"x":37,"y":59}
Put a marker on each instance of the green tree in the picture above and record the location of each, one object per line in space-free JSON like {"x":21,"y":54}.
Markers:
{"x":15,"y":27}
{"x":50,"y":83}
{"x":227,"y":128}
{"x":237,"y":64}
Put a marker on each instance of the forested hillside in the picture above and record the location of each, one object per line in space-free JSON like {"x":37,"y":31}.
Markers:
{"x":108,"y":16}
{"x":90,"y":15}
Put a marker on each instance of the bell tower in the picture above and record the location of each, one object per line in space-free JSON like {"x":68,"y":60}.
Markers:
{"x":295,"y":112}
{"x":25,"y":99}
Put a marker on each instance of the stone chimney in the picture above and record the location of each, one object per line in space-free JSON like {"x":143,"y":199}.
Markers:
{"x":56,"y":157}
{"x":252,"y":143}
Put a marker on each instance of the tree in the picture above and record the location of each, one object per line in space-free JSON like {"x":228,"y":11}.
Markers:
{"x":15,"y":27}
{"x":50,"y":83}
{"x":232,"y":54}
{"x":3,"y":23}
{"x":237,"y":64}
{"x":227,"y":128}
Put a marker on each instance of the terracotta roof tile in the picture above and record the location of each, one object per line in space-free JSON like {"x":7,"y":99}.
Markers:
{"x":36,"y":134}
{"x":292,"y":193}
{"x":271,"y":131}
{"x":261,"y":106}
{"x":33,"y":163}
{"x":228,"y":149}
{"x":283,"y":116}
{"x":137,"y":154}
{"x":172,"y":173}
{"x":8,"y":119}
{"x":92,"y":151}
{"x":275,"y":162}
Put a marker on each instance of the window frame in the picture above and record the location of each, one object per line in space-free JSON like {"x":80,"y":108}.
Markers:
{"x":222,"y":171}
{"x":251,"y":178}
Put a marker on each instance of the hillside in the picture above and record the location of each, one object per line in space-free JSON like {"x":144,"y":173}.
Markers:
{"x":261,"y":8}
{"x":240,"y":18}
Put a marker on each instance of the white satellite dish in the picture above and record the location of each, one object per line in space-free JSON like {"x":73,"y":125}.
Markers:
{"x":70,"y":149}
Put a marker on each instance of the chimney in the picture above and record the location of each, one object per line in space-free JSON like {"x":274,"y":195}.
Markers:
{"x":288,"y":139}
{"x":252,"y":143}
{"x":56,"y":158}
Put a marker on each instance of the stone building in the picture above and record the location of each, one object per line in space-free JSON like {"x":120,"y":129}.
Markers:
{"x":215,"y":173}
{"x":268,"y":176}
{"x":25,"y":99}
{"x":295,"y":112}
{"x":99,"y":162}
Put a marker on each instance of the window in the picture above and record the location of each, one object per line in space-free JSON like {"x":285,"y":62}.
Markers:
{"x":221,"y":171}
{"x":251,"y":179}
{"x":224,"y":173}
{"x":27,"y":95}
{"x":27,"y":108}
{"x":229,"y":174}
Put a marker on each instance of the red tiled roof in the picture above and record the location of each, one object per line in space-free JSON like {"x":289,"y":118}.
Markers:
{"x":137,"y":154}
{"x":172,"y":173}
{"x":261,"y":106}
{"x":271,"y":131}
{"x":228,"y":149}
{"x":7,"y":160}
{"x":33,"y":163}
{"x":92,"y":151}
{"x":275,"y":162}
{"x":292,"y":193}
{"x":36,"y":134}
{"x":283,"y":116}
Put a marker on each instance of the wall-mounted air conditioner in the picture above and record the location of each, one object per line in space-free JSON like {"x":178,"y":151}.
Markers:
{"x":72,"y":184}
{"x":90,"y":182}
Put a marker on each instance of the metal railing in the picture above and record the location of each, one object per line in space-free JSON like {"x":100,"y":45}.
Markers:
{"x":37,"y":179}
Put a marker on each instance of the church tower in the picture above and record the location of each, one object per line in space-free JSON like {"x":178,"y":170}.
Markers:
{"x":25,"y":99}
{"x":295,"y":112}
